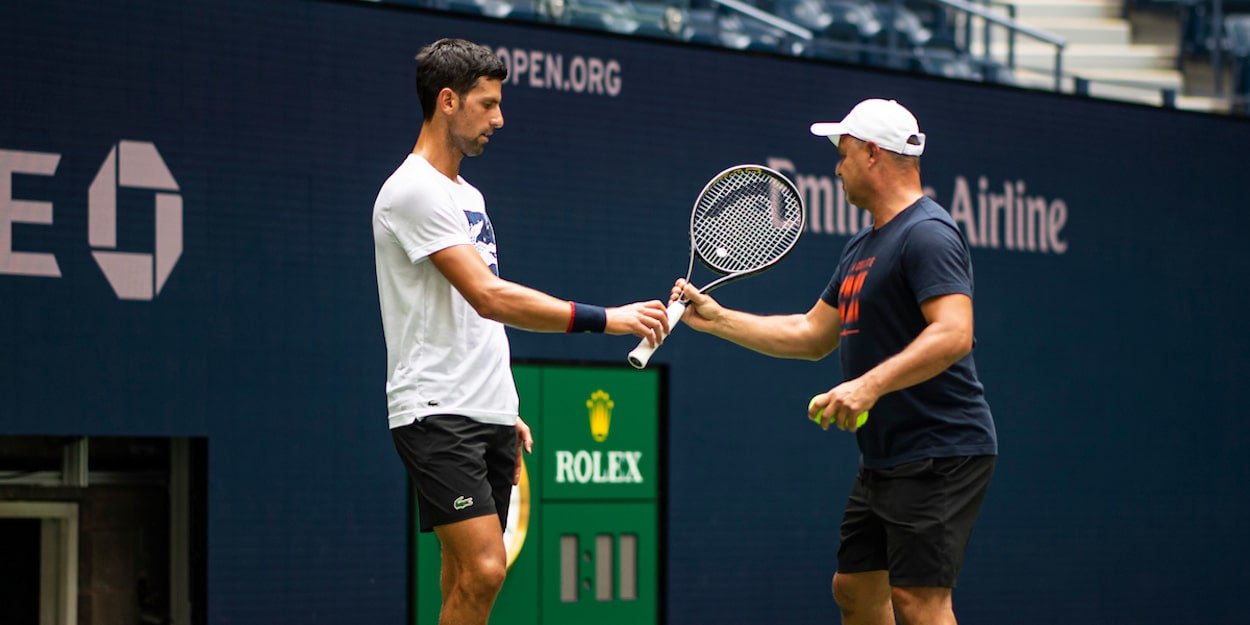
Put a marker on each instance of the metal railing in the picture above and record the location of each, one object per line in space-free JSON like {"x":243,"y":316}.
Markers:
{"x":989,"y":12}
{"x":1013,"y":28}
{"x":767,"y":18}
{"x":893,"y":50}
{"x":1167,"y":95}
{"x":1080,"y":84}
{"x":957,"y":17}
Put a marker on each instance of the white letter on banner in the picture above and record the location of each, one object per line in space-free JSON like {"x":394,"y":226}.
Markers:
{"x":564,"y":466}
{"x":583,"y":467}
{"x":536,"y":68}
{"x":555,"y":71}
{"x":632,"y":457}
{"x":612,"y":78}
{"x":520,"y":64}
{"x":961,"y":211}
{"x":596,"y":75}
{"x":24,"y":211}
{"x":577,"y":74}
{"x":1058,"y":219}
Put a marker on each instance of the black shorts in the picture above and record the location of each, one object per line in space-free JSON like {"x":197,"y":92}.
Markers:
{"x":461,"y":468}
{"x":914,"y":520}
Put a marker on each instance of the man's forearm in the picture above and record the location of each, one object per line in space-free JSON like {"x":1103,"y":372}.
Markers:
{"x":780,"y":336}
{"x":521,"y":307}
{"x":936,"y":348}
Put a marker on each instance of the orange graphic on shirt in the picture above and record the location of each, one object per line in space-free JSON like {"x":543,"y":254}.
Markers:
{"x":848,"y":295}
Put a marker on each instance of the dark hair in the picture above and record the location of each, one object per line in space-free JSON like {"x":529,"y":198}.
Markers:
{"x":903,"y":160}
{"x":455,"y":64}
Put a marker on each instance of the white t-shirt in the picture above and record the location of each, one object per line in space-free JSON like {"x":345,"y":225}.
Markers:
{"x":441,"y":356}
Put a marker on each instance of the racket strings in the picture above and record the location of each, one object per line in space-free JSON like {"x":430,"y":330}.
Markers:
{"x":746,"y":221}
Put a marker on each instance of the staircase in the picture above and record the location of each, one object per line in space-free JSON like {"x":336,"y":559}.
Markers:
{"x":1099,"y":49}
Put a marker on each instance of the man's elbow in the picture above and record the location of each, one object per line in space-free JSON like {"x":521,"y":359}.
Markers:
{"x":486,"y":308}
{"x":486,"y":300}
{"x":960,"y":345}
{"x":820,"y":349}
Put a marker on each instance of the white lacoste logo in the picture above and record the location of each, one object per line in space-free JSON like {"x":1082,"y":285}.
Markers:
{"x":462,"y":502}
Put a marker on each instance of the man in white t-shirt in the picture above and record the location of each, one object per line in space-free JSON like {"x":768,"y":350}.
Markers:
{"x":451,"y":400}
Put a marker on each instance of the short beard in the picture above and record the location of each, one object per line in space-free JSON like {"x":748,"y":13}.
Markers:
{"x":470,"y":148}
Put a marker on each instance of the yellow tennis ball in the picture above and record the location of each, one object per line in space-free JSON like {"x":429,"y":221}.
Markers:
{"x":859,"y":421}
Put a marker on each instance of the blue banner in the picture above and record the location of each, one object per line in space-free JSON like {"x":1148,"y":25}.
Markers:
{"x":185,"y":250}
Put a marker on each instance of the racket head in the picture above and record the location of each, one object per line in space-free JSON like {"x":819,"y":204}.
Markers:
{"x":746,"y":219}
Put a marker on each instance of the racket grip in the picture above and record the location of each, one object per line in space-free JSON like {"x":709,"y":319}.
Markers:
{"x":642,"y":354}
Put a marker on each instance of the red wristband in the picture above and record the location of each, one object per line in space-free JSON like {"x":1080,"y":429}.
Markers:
{"x":572,"y":316}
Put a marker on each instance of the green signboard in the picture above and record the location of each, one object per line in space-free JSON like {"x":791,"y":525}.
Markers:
{"x":600,"y":427}
{"x":583,"y":535}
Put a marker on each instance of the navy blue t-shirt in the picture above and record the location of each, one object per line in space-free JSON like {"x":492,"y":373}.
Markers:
{"x":882,"y":278}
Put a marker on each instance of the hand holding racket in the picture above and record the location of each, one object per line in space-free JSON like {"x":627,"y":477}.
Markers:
{"x":746,"y":219}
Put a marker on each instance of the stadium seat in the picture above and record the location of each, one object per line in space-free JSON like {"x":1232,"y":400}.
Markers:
{"x":835,"y":20}
{"x":1237,"y":29}
{"x":659,"y":19}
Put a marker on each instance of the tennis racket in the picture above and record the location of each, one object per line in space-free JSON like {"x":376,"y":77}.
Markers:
{"x":746,"y":219}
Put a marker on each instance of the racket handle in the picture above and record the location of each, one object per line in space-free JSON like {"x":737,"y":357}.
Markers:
{"x":642,"y":354}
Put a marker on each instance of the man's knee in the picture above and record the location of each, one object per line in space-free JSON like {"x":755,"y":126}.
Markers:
{"x":920,"y":605}
{"x":858,"y":591}
{"x":481,"y":576}
{"x":474,"y":561}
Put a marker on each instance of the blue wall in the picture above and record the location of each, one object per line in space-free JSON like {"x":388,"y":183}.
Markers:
{"x":1114,"y":368}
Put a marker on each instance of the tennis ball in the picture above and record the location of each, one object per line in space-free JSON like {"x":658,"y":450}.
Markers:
{"x":859,"y":421}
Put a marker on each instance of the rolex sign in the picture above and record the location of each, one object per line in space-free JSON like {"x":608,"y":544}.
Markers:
{"x":600,"y":433}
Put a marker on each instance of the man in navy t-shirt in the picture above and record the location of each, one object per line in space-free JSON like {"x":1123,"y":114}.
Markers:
{"x":900,"y":308}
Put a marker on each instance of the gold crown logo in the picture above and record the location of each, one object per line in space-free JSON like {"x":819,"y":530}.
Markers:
{"x":600,"y":405}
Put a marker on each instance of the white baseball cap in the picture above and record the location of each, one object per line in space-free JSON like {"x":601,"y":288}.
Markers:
{"x":883,"y":122}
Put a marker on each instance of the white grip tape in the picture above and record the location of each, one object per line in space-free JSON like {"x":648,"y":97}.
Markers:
{"x":642,"y":354}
